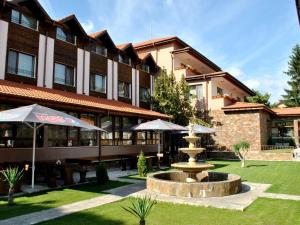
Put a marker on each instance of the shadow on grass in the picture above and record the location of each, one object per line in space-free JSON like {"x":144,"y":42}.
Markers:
{"x":50,"y":199}
{"x":247,"y":166}
{"x":85,"y":218}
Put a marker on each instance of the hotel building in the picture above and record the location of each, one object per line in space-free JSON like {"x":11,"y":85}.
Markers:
{"x":55,"y":63}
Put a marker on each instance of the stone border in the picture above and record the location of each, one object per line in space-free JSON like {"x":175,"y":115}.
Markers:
{"x":173,"y":184}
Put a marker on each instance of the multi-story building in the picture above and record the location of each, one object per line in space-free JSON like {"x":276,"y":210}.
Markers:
{"x":57,"y":64}
{"x":221,"y":96}
{"x":211,"y":87}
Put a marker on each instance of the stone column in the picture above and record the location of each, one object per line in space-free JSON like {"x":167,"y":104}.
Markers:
{"x":296,"y":132}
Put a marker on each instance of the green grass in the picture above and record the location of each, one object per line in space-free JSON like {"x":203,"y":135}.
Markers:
{"x":261,"y":212}
{"x":55,"y":198}
{"x":284,"y":176}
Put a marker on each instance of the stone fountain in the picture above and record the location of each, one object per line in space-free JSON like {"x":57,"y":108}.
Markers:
{"x":193,"y":179}
{"x":192,"y":167}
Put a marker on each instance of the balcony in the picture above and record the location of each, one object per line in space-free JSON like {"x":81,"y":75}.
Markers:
{"x":220,"y":101}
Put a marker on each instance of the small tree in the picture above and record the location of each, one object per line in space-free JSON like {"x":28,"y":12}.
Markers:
{"x":259,"y":98}
{"x":292,"y":93}
{"x":241,"y":150}
{"x":142,"y":165}
{"x":140,"y":208}
{"x":101,"y":173}
{"x":12,"y":176}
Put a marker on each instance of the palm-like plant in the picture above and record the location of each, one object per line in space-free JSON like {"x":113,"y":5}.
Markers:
{"x":241,"y":150}
{"x":140,"y":208}
{"x":12,"y":176}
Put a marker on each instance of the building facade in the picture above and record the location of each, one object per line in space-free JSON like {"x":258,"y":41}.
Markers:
{"x":55,"y":63}
{"x":222,"y":96}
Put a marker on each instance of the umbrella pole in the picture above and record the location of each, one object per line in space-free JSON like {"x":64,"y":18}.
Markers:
{"x":33,"y":155}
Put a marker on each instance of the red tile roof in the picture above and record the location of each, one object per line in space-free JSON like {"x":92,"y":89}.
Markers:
{"x":12,"y":89}
{"x":98,"y":33}
{"x":152,"y":41}
{"x":289,"y":111}
{"x":239,"y":106}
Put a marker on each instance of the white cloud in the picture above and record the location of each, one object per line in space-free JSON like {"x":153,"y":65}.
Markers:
{"x":88,"y":26}
{"x":252,"y":83}
{"x":235,"y":71}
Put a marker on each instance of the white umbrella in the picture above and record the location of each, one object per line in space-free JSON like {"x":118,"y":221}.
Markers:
{"x":199,"y":129}
{"x":160,"y":126}
{"x":35,"y":114}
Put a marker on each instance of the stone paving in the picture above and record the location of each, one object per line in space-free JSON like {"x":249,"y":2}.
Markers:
{"x":250,"y":192}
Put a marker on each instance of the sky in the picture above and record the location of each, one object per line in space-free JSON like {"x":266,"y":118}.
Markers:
{"x":252,"y":40}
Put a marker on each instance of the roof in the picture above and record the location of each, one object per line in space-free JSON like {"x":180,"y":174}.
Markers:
{"x":129,"y":49}
{"x":289,"y":111}
{"x":72,"y":20}
{"x":241,"y":106}
{"x":12,"y":89}
{"x":103,"y":36}
{"x":224,"y":74}
{"x":185,"y":48}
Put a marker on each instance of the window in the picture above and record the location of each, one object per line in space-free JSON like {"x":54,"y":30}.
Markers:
{"x":88,"y":138}
{"x":64,"y":74}
{"x":63,"y":36}
{"x":107,"y":124}
{"x":196,"y":91}
{"x":124,"y":59}
{"x":128,"y":123}
{"x":98,"y":83}
{"x":144,"y":94}
{"x":124,"y":89}
{"x":26,"y":21}
{"x":219,"y":91}
{"x":20,"y":64}
{"x":145,"y":68}
{"x":101,"y":50}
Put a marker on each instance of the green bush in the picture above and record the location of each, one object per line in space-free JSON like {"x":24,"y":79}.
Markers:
{"x":101,"y":173}
{"x":142,"y":165}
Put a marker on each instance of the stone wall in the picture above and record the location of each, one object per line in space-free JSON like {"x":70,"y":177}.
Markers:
{"x":264,"y":155}
{"x":232,"y":127}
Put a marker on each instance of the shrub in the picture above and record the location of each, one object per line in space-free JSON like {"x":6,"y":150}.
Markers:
{"x":140,"y":208}
{"x":12,"y":176}
{"x":142,"y":165}
{"x":101,"y":173}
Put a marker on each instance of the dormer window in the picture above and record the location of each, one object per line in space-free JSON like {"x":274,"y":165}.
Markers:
{"x":101,"y":50}
{"x":124,"y":59}
{"x":26,"y":21}
{"x":145,"y":68}
{"x":63,"y":36}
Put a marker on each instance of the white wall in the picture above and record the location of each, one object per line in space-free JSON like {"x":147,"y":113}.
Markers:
{"x":115,"y":81}
{"x":49,"y":62}
{"x":3,"y":46}
{"x":137,"y":88}
{"x":79,"y":72}
{"x":86,"y":90}
{"x":109,"y":80}
{"x":133,"y":86}
{"x":41,"y":61}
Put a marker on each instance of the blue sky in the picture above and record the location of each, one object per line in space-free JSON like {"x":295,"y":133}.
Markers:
{"x":250,"y":39}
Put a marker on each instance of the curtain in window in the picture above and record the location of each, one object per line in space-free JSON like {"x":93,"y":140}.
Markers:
{"x":25,"y":65}
{"x":199,"y":91}
{"x":12,"y":62}
{"x":59,"y":73}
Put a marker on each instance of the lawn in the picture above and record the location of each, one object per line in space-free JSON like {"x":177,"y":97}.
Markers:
{"x":55,"y":198}
{"x":284,"y":176}
{"x":261,"y":212}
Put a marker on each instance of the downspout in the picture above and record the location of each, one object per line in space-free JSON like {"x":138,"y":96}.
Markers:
{"x":45,"y":60}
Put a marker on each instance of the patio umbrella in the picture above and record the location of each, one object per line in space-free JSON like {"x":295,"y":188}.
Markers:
{"x":199,"y":129}
{"x":36,"y":116}
{"x":160,"y":126}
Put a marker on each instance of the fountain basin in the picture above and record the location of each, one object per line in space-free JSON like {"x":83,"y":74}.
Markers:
{"x":208,"y":184}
